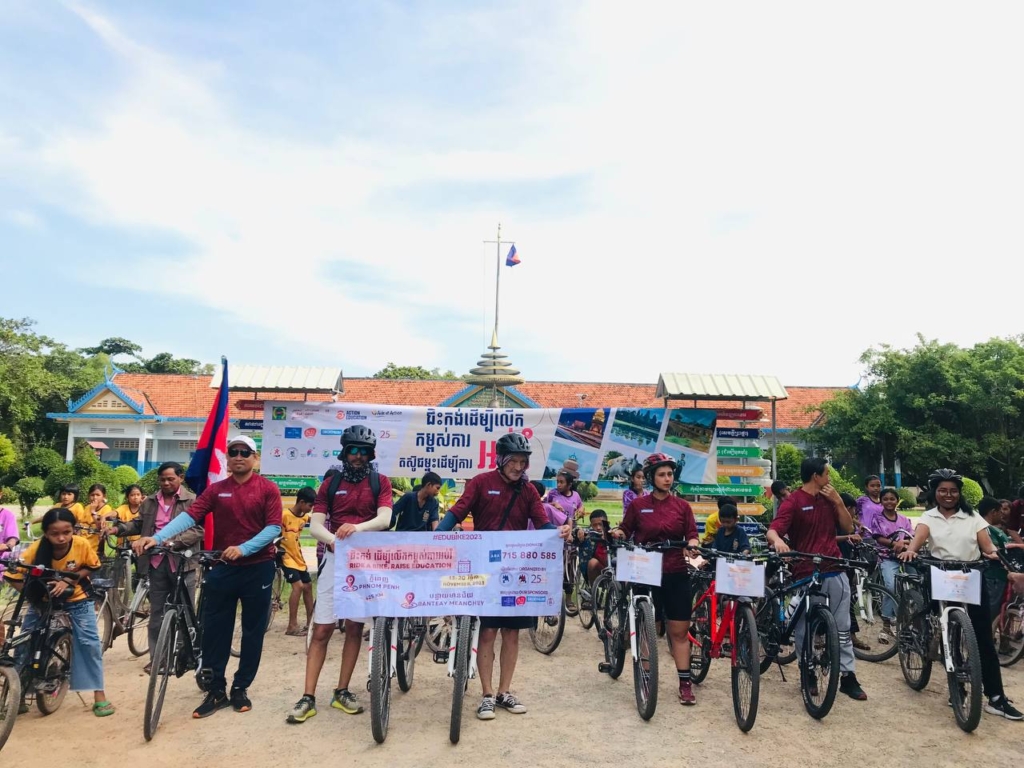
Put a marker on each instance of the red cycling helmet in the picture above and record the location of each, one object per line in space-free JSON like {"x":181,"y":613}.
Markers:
{"x":655,"y":460}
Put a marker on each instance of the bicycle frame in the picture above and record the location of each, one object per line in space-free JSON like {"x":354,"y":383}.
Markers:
{"x":474,"y":642}
{"x":393,"y":639}
{"x":633,"y":601}
{"x":728,"y":622}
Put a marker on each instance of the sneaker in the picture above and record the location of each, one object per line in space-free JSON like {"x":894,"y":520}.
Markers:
{"x":686,"y":696}
{"x":239,"y":700}
{"x":304,"y":709}
{"x":346,"y":701}
{"x":848,"y":684}
{"x":1003,"y":707}
{"x":812,"y":685}
{"x":510,"y":703}
{"x":214,"y":700}
{"x":486,"y":709}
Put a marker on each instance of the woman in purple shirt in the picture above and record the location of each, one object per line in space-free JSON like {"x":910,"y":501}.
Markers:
{"x":870,"y":504}
{"x":637,"y":487}
{"x":893,"y":533}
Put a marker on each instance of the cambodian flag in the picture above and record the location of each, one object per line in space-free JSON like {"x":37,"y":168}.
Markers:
{"x":513,"y":258}
{"x":210,"y":462}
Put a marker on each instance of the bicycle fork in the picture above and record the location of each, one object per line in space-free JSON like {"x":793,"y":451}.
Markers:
{"x":474,"y":640}
{"x":634,"y":601}
{"x":392,"y":640}
{"x":947,"y":652}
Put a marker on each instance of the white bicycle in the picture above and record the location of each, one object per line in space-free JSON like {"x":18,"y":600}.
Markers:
{"x":394,"y":646}
{"x":462,"y":667}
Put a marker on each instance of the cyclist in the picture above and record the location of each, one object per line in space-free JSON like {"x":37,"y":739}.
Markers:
{"x":995,"y":578}
{"x":69,"y":500}
{"x":61,"y":550}
{"x":660,"y":516}
{"x":353,"y":507}
{"x":501,"y":500}
{"x":564,"y":496}
{"x":1015,"y":521}
{"x":157,"y":511}
{"x":246,"y":517}
{"x":293,"y":563}
{"x":952,"y":531}
{"x":637,"y":487}
{"x":418,"y":510}
{"x":810,"y":516}
{"x":593,"y":554}
{"x":133,"y":496}
{"x":869,"y":503}
{"x":893,"y":532}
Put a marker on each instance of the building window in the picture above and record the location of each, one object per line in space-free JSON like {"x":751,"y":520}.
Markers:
{"x":125,"y":445}
{"x":187,"y":445}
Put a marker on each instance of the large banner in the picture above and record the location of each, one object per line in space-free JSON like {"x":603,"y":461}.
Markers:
{"x":303,"y":439}
{"x":434,"y":574}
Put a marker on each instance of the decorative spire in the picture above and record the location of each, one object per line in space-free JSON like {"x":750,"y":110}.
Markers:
{"x":493,"y":370}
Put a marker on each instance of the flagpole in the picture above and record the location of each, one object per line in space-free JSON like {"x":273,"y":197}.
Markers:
{"x":497,"y":276}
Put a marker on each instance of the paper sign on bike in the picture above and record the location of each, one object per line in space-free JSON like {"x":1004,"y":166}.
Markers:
{"x":956,"y":586}
{"x":638,"y":566}
{"x":740,"y":578}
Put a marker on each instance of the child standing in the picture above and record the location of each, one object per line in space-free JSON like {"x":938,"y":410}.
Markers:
{"x":637,"y":487}
{"x":730,"y":537}
{"x":129,"y":511}
{"x":564,"y":496}
{"x":893,"y":533}
{"x":293,"y":563}
{"x":95,"y":515}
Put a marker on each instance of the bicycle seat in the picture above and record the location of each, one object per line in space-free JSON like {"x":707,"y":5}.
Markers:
{"x":102,"y":584}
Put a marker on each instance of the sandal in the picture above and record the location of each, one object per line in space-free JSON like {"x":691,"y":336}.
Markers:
{"x":103,"y":709}
{"x":296,"y":632}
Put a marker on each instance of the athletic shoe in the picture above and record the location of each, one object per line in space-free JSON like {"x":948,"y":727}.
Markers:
{"x":1003,"y":707}
{"x":510,"y":703}
{"x":214,"y":700}
{"x":304,"y":709}
{"x":239,"y":700}
{"x":486,"y":709}
{"x":346,"y":701}
{"x":812,"y":685}
{"x":848,"y":684}
{"x":686,"y":696}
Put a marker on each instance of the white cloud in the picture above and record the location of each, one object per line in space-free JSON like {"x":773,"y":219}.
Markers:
{"x":765,"y":188}
{"x":24,"y":219}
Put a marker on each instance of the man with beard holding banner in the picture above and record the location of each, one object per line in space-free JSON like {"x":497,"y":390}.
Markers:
{"x":502,"y":500}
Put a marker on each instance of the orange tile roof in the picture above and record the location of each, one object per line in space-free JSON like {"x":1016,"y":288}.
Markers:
{"x":191,"y":396}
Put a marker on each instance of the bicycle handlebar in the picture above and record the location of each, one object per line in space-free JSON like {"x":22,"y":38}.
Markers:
{"x":657,"y":546}
{"x":1010,"y":565}
{"x":843,"y":561}
{"x":41,"y":571}
{"x":204,"y":556}
{"x":952,"y":565}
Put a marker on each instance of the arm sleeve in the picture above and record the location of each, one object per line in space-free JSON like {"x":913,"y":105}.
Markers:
{"x":177,"y":526}
{"x":260,"y":541}
{"x":272,"y":506}
{"x":448,"y":523}
{"x":201,"y":507}
{"x":319,"y":530}
{"x":320,"y":502}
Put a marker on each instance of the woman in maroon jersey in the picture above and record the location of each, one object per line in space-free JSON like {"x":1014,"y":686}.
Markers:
{"x":660,"y":516}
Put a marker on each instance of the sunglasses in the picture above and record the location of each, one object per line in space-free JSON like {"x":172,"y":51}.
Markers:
{"x":245,"y":453}
{"x":359,"y":450}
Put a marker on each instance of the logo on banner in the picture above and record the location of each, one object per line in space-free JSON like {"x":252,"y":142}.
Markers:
{"x":292,"y":453}
{"x":387,"y":415}
{"x":276,"y":453}
{"x":536,"y":599}
{"x":350,"y":584}
{"x":293,"y":433}
{"x":280,"y":413}
{"x":508,"y":601}
{"x":521,"y":600}
{"x":310,"y":432}
{"x":494,"y":556}
{"x":331,"y":432}
{"x":355,"y":415}
{"x":340,"y":415}
{"x":506,"y":578}
{"x":410,"y":600}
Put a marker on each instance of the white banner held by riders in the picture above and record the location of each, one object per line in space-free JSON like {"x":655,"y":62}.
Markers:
{"x":433,"y":574}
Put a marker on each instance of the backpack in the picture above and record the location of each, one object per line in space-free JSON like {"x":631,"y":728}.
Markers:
{"x":332,"y":489}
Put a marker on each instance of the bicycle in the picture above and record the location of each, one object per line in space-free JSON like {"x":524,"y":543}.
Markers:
{"x":929,"y":631}
{"x":123,"y":611}
{"x":546,"y":632}
{"x":44,"y":673}
{"x":394,"y":646}
{"x":461,"y":658}
{"x":738,"y":625}
{"x":179,"y":646}
{"x":819,"y":653}
{"x":867,"y":601}
{"x":1008,"y":626}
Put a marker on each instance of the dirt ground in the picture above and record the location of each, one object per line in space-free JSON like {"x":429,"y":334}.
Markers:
{"x":575,"y":714}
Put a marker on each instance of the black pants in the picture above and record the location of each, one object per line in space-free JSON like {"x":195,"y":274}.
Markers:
{"x":991,"y":675}
{"x":161,"y":584}
{"x":224,"y":588}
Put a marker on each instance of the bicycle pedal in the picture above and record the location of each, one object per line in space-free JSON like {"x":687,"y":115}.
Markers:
{"x":440,"y":657}
{"x":604,"y":667}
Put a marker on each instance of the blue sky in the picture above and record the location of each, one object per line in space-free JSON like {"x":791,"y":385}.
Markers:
{"x":691,"y":188}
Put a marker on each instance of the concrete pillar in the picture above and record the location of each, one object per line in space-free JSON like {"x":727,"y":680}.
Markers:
{"x":69,"y":454}
{"x":141,"y":466}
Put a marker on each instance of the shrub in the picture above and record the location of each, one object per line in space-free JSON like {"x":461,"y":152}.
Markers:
{"x":587,"y":490}
{"x":908,"y":498}
{"x":8,"y":496}
{"x":29,"y":490}
{"x":125,"y":476}
{"x":150,"y":482}
{"x":59,"y":477}
{"x":8,"y":456}
{"x":788,"y":458}
{"x":841,"y":484}
{"x":40,"y":462}
{"x":972,"y":492}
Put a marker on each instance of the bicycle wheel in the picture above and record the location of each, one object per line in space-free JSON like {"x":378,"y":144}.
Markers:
{"x":460,"y":676}
{"x":700,"y":642}
{"x":1009,"y":635}
{"x":138,"y":624}
{"x":614,"y":636}
{"x":380,"y":679}
{"x":645,"y":665}
{"x":586,"y":601}
{"x":913,"y":638}
{"x":819,"y":663}
{"x":410,"y":638}
{"x":164,"y":663}
{"x":572,"y":596}
{"x":546,"y":632}
{"x":439,"y":633}
{"x":105,"y":624}
{"x":56,"y":674}
{"x":868,"y":610}
{"x":276,"y":591}
{"x":746,"y":668}
{"x":10,"y":699}
{"x":768,"y":631}
{"x":965,"y":679}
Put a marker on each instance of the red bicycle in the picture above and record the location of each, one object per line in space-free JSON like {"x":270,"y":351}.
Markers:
{"x":737,"y":626}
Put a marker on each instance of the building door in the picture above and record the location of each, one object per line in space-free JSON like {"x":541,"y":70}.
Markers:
{"x":130,"y":458}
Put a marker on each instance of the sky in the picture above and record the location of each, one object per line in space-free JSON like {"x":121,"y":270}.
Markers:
{"x":763,"y":188}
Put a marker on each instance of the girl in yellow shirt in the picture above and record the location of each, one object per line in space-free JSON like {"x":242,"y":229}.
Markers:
{"x":69,"y":500}
{"x":95,"y":515}
{"x":129,"y":511}
{"x":61,"y":550}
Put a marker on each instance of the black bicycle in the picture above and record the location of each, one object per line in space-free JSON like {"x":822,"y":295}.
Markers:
{"x":179,"y":647}
{"x":45,"y":650}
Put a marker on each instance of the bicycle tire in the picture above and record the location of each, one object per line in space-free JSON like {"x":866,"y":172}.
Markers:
{"x":869,"y":615}
{"x":819,"y":622}
{"x":912,"y":640}
{"x":572,"y":596}
{"x":59,"y":653}
{"x":409,"y":642}
{"x":105,"y":624}
{"x":380,"y":679}
{"x":700,"y":645}
{"x":164,"y":662}
{"x":614,"y":631}
{"x":1009,"y":635}
{"x":438,"y":635}
{"x":138,"y":626}
{"x":460,"y":676}
{"x":276,"y":590}
{"x":587,"y":612}
{"x":963,"y":640}
{"x":646,"y":687}
{"x":10,"y":699}
{"x":745,"y":663}
{"x":768,"y":630}
{"x":546,"y":632}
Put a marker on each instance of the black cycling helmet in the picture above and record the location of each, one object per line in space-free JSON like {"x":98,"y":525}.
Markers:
{"x":359,"y":435}
{"x":511,"y":443}
{"x":945,"y":475}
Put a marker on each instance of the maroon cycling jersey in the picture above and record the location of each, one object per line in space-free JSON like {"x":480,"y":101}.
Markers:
{"x":240,"y":511}
{"x":810,"y":522}
{"x":487,"y":496}
{"x":649,"y":520}
{"x":353,"y":503}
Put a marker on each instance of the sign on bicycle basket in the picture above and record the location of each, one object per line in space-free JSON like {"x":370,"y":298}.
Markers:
{"x":740,"y":578}
{"x":638,"y":566}
{"x":956,"y":586}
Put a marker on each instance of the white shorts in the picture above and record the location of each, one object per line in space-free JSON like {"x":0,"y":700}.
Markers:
{"x":323,"y":611}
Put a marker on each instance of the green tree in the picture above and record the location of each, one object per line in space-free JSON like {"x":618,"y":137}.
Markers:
{"x":113,"y":347}
{"x":125,"y":476}
{"x":8,"y":455}
{"x":40,"y":462}
{"x":787,"y":459}
{"x":164,"y":362}
{"x":29,"y":490}
{"x":972,"y":492}
{"x":392,"y":371}
{"x":57,"y":479}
